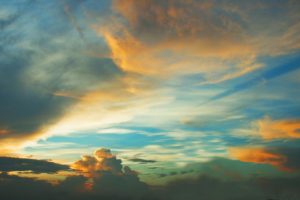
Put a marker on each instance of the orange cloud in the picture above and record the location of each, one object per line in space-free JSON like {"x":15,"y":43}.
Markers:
{"x":12,"y":141}
{"x":259,"y":155}
{"x":4,"y":132}
{"x":177,"y":37}
{"x":93,"y":166}
{"x":174,"y":37}
{"x":279,"y":129}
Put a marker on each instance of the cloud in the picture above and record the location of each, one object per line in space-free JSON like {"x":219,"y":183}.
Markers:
{"x":23,"y":188}
{"x":207,"y":187}
{"x":40,"y":59}
{"x":102,"y":161}
{"x":188,"y":25}
{"x":187,"y":37}
{"x":32,"y":109}
{"x":292,"y":162}
{"x":272,"y":73}
{"x":73,"y":20}
{"x":219,"y":40}
{"x":142,"y":161}
{"x":220,"y":179}
{"x":109,"y":176}
{"x":8,"y":164}
{"x":75,"y":183}
{"x":283,"y":158}
{"x":106,"y":178}
{"x":15,"y":188}
{"x":223,"y":178}
{"x":257,"y":155}
{"x":270,"y":129}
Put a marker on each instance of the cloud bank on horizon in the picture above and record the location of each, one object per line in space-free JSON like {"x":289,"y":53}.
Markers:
{"x":103,"y":176}
{"x":178,"y":90}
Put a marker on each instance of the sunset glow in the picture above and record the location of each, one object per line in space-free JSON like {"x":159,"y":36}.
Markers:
{"x":149,"y":99}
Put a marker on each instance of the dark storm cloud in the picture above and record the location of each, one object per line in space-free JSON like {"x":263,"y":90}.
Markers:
{"x":291,"y":154}
{"x":206,"y":187}
{"x":73,"y":182}
{"x":39,"y":59}
{"x":23,"y":109}
{"x":113,"y":186}
{"x":8,"y":164}
{"x":219,"y":179}
{"x":142,"y":161}
{"x":172,"y":174}
{"x":17,"y":188}
{"x":109,"y":179}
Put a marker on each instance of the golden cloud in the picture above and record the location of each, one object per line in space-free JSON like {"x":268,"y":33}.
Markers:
{"x":166,"y":39}
{"x":259,"y":155}
{"x":163,"y":38}
{"x":102,"y":161}
{"x":270,"y":129}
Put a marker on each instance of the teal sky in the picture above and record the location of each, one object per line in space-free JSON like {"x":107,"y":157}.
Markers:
{"x":173,"y":88}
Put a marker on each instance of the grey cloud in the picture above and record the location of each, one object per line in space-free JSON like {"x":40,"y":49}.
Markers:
{"x":39,"y":58}
{"x":17,"y":188}
{"x":142,"y":161}
{"x":206,"y":187}
{"x":291,"y":155}
{"x":173,"y":173}
{"x":111,"y":185}
{"x":162,"y":175}
{"x":8,"y":164}
{"x":75,"y":183}
{"x":23,"y":109}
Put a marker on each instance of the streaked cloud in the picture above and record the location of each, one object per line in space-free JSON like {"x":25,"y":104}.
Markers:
{"x":9,"y":164}
{"x":222,"y":41}
{"x":279,"y":129}
{"x":258,"y":155}
{"x":284,"y":158}
{"x":188,"y":99}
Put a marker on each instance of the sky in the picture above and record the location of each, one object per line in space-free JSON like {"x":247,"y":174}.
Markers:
{"x":149,"y":99}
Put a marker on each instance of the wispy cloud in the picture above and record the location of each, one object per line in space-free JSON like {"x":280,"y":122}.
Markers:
{"x":270,"y":129}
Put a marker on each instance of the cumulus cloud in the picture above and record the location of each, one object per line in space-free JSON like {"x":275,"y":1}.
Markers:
{"x":102,"y":161}
{"x":109,"y":176}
